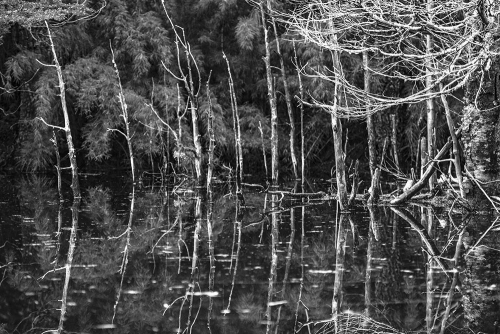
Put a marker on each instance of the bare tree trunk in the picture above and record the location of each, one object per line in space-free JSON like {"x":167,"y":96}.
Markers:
{"x":58,"y":165}
{"x":301,"y":104}
{"x":394,"y":141}
{"x":431,"y":135}
{"x":272,"y":101}
{"x":75,"y":184}
{"x":211,"y":145}
{"x":456,"y":144}
{"x":337,"y":139}
{"x":372,"y":154}
{"x":236,"y":129}
{"x":125,"y":116}
{"x":288,"y":99}
{"x":194,"y":115}
{"x":424,"y":157}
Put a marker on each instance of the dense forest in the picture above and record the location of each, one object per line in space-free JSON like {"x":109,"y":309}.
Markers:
{"x":403,"y":90}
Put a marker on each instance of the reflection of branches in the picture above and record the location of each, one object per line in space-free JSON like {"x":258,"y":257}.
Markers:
{"x":69,"y":262}
{"x":430,"y":246}
{"x":462,"y":46}
{"x":237,"y":225}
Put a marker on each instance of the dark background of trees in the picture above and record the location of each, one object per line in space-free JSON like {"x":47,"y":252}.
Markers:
{"x":142,"y":38}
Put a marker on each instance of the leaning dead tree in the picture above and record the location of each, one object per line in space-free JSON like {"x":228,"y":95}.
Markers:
{"x":75,"y":184}
{"x":438,"y":47}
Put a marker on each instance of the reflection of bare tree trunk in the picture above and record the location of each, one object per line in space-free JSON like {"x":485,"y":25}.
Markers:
{"x":69,"y":261}
{"x":481,"y":300}
{"x":237,"y":224}
{"x":126,"y":250}
{"x":196,"y":237}
{"x":211,"y":252}
{"x":427,"y":219}
{"x":339,"y":267}
{"x":369,"y":255}
{"x":454,"y":282}
{"x":288,"y":263}
{"x":301,"y":288}
{"x":274,"y":260}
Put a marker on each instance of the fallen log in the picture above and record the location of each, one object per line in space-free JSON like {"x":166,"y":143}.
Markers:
{"x":431,"y":168}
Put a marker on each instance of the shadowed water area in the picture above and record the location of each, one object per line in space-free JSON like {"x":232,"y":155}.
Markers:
{"x":170,"y":258}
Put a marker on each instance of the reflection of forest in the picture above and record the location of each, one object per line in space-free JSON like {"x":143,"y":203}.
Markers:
{"x":184,"y":262}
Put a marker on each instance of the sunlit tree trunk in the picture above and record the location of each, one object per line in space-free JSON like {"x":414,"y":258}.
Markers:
{"x":272,"y":100}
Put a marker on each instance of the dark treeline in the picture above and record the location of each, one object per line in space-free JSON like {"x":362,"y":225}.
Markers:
{"x":185,"y":68}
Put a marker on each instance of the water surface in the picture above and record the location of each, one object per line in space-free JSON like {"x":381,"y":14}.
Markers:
{"x":173,"y":259}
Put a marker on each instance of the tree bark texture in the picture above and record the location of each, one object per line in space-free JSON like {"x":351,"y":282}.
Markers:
{"x":481,"y":131}
{"x":372,"y":155}
{"x":288,"y":100}
{"x":272,"y":101}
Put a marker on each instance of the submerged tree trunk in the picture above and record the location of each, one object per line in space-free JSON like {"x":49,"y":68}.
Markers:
{"x":481,"y":133}
{"x":272,"y":101}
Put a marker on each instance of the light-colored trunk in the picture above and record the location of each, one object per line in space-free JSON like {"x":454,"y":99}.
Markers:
{"x":394,"y":141}
{"x":75,"y":184}
{"x":211,"y":135}
{"x":301,"y":105}
{"x":456,"y":144}
{"x":272,"y":101}
{"x":431,"y":115}
{"x":337,"y":138}
{"x":125,"y":116}
{"x":288,"y":100}
{"x":236,"y":128}
{"x":372,"y":154}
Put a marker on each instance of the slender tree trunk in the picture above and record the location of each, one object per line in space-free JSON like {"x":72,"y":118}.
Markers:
{"x":236,"y":129}
{"x":193,"y":102}
{"x":456,"y":144}
{"x":301,"y":105}
{"x":211,"y":145}
{"x":125,"y":116}
{"x":372,"y":154}
{"x":394,"y":141}
{"x":58,"y":165}
{"x":75,"y":184}
{"x":424,"y":158}
{"x":337,"y":138}
{"x":288,"y":99}
{"x":272,"y":101}
{"x":431,"y":135}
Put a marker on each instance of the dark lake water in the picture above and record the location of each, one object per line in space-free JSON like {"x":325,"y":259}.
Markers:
{"x":167,"y":258}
